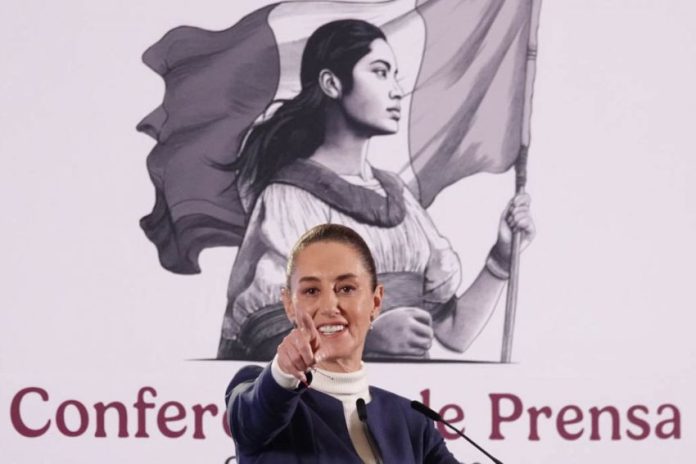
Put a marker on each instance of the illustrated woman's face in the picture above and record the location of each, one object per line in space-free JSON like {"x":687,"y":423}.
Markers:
{"x":331,"y":285}
{"x":374,"y":102}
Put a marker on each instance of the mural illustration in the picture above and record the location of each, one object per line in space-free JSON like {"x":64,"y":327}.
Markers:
{"x":278,"y":124}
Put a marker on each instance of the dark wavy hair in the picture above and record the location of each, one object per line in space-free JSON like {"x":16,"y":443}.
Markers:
{"x":297,"y":128}
{"x":333,"y":233}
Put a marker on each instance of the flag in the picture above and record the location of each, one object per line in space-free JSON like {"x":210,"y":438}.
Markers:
{"x":462,"y":65}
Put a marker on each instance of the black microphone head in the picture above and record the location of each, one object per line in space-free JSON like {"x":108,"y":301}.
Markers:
{"x":362,"y":409}
{"x":423,"y":409}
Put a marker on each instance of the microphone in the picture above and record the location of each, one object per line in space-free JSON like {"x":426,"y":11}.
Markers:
{"x":362,"y":415}
{"x":426,"y":411}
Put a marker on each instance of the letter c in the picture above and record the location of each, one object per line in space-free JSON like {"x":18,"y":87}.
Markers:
{"x":16,"y":415}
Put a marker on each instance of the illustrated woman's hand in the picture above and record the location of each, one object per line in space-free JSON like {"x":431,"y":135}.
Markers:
{"x":403,"y":331}
{"x":516,"y":217}
{"x":298,"y":351}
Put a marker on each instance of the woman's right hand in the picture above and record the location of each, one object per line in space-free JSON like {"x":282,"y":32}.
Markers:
{"x":296,"y":353}
{"x":401,"y":332}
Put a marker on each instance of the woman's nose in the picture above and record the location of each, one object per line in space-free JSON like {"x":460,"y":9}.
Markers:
{"x":328,"y":304}
{"x":396,"y":91}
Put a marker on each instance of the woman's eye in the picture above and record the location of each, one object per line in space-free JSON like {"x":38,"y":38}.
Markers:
{"x":381,"y":72}
{"x":346,"y":289}
{"x":310,"y":291}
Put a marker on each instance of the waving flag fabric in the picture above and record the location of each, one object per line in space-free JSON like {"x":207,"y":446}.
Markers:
{"x":463,"y":67}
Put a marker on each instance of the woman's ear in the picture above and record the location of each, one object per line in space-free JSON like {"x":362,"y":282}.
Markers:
{"x":286,"y":298}
{"x":377,"y":299}
{"x":330,"y":84}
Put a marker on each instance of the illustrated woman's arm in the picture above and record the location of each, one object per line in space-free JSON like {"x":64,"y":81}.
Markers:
{"x":458,"y":328}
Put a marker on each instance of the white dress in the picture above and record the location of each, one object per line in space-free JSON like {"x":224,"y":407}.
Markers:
{"x":415,"y":263}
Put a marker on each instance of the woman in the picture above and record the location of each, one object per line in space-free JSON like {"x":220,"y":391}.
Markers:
{"x":275,"y":415}
{"x":307,"y":165}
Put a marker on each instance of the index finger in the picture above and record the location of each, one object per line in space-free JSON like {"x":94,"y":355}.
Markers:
{"x":306,"y":326}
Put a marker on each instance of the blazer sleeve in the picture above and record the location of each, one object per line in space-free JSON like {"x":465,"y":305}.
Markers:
{"x":435,"y":450}
{"x":258,"y":408}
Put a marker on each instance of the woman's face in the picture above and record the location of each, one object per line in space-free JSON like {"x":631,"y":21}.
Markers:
{"x":374,"y":102}
{"x":331,"y":285}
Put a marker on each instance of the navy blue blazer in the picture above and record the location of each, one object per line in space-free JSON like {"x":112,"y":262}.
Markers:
{"x":271,"y":424}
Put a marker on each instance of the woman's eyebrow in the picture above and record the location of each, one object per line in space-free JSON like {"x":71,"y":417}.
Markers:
{"x":384,"y":62}
{"x":309,"y":279}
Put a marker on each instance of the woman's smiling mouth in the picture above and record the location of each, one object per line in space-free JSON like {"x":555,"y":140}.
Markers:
{"x":331,"y":329}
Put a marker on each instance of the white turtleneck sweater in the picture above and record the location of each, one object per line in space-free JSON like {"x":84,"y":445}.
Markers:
{"x":346,"y":388}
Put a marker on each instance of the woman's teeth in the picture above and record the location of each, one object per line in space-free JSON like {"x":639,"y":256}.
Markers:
{"x":330,"y":329}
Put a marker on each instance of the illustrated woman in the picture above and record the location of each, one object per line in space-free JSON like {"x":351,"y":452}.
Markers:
{"x":306,"y":165}
{"x":303,"y":407}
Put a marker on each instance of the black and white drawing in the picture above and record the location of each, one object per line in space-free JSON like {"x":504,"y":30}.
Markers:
{"x":272,"y":126}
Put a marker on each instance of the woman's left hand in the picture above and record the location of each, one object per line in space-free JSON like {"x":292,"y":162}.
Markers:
{"x":405,"y":331}
{"x":516,"y":217}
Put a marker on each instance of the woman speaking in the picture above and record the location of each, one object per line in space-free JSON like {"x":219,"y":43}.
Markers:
{"x":313,"y":402}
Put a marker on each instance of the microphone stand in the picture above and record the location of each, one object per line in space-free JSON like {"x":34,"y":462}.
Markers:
{"x":423,"y":409}
{"x":362,"y":415}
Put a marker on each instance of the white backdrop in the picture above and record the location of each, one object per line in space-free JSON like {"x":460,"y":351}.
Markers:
{"x":606,"y":308}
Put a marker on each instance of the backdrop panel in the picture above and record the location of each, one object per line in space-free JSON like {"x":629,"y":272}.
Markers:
{"x":603,"y":354}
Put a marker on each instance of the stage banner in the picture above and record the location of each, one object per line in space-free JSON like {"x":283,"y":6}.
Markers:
{"x":524,"y":184}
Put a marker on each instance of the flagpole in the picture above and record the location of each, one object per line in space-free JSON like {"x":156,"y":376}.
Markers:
{"x":520,"y":184}
{"x":513,"y":283}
